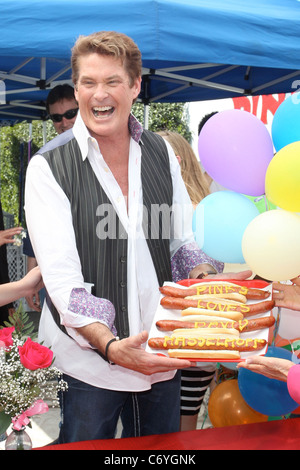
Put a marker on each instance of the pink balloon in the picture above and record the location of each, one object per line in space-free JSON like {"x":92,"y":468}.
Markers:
{"x":235,"y":149}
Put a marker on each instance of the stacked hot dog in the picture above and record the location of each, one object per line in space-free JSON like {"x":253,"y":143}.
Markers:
{"x":213,"y":314}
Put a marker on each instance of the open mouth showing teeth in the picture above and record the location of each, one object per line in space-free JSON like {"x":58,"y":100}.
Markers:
{"x":102,"y":111}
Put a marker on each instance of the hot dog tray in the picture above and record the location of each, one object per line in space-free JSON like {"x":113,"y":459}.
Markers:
{"x":170,"y":314}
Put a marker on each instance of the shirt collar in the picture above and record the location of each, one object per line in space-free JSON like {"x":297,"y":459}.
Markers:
{"x":135,"y":128}
{"x":83,"y":136}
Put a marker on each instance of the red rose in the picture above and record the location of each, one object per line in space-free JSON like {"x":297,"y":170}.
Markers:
{"x":35,"y":356}
{"x":6,"y":336}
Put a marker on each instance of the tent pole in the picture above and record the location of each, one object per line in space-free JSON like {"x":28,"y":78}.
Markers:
{"x":146,"y":116}
{"x":44,"y":132}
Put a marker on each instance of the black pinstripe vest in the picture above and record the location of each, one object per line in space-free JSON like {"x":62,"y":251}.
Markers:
{"x":104,"y":259}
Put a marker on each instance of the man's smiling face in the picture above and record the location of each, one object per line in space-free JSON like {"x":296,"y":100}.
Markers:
{"x":105,"y":95}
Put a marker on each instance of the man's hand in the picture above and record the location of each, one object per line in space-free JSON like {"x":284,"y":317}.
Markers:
{"x":129,"y":353}
{"x":239,"y":276}
{"x":204,"y":268}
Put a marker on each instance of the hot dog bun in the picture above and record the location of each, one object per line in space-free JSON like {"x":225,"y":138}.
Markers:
{"x":232,"y":296}
{"x":191,"y":311}
{"x":203,"y":317}
{"x":206,"y":332}
{"x":193,"y":354}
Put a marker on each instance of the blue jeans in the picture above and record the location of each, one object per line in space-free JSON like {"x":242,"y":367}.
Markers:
{"x":90,"y":413}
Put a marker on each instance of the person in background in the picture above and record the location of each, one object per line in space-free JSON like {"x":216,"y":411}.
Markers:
{"x":15,"y":290}
{"x":62,"y":109}
{"x":191,"y":171}
{"x":287,"y":296}
{"x":205,"y":119}
{"x":196,"y":380}
{"x":6,"y":236}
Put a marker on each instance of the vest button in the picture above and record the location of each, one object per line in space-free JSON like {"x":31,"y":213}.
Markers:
{"x":123,"y":259}
{"x":123,"y":308}
{"x":122,"y":284}
{"x":125,"y":333}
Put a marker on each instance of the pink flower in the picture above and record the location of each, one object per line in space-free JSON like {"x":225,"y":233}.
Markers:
{"x":6,"y":336}
{"x":35,"y":356}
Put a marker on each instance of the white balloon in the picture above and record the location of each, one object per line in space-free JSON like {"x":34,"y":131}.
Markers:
{"x":271,"y":245}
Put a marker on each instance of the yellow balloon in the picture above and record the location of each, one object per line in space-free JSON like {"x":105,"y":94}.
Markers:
{"x":271,"y":245}
{"x":282,"y":183}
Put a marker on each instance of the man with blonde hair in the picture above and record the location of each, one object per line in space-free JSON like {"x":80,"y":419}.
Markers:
{"x":90,"y":188}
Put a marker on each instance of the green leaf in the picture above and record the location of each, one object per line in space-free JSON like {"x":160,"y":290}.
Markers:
{"x":5,"y":421}
{"x":24,"y":327}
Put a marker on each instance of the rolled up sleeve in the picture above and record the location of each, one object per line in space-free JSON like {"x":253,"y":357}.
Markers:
{"x":49,"y":222}
{"x":293,"y":382}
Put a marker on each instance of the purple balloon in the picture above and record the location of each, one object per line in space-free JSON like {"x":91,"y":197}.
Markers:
{"x":235,"y":149}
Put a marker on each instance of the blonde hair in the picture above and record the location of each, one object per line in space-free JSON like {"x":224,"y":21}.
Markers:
{"x":109,"y":43}
{"x":191,"y":172}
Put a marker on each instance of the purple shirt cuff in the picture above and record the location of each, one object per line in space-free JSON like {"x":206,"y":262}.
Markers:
{"x":83,"y":303}
{"x":187,"y":258}
{"x":293,"y":383}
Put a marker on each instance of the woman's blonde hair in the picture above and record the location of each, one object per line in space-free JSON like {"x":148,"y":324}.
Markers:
{"x":191,"y":171}
{"x":108,"y":43}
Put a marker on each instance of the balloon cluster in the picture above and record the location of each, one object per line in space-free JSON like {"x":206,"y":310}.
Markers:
{"x":251,"y":397}
{"x":237,"y":151}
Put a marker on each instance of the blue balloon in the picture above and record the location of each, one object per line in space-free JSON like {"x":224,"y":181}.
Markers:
{"x":267,"y":396}
{"x":285,"y":124}
{"x":219,"y":223}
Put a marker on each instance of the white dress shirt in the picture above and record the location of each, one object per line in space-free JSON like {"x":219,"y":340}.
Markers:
{"x":49,"y":222}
